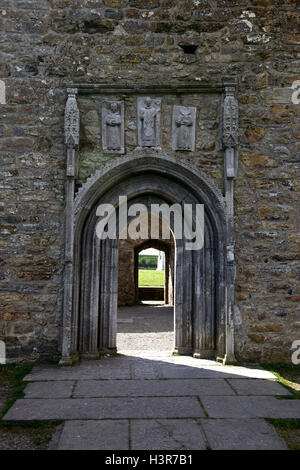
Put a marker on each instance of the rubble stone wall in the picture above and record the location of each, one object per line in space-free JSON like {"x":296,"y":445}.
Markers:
{"x":48,"y":45}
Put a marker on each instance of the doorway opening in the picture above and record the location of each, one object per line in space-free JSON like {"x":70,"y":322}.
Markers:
{"x":145,"y":319}
{"x":95,"y":281}
{"x":152,"y":282}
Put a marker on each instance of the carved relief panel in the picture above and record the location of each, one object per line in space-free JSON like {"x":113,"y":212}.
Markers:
{"x":113,"y":126}
{"x":183,"y":128}
{"x":230,"y":118}
{"x":148,"y":116}
{"x":71,"y":118}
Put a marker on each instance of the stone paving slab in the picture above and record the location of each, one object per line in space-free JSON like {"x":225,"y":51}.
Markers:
{"x":122,"y":388}
{"x":183,"y":372}
{"x":104,"y":408}
{"x":169,"y":434}
{"x":56,"y":389}
{"x":258,"y":387}
{"x":145,"y":371}
{"x":241,"y":434}
{"x":126,"y":367}
{"x":176,"y":371}
{"x":250,"y":407}
{"x":75,"y":373}
{"x":95,"y":435}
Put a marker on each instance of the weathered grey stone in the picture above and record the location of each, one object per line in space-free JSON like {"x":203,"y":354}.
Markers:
{"x":113,"y":126}
{"x":192,"y":369}
{"x":193,"y":333}
{"x":55,"y":389}
{"x":94,"y":435}
{"x":250,"y":407}
{"x":151,"y":388}
{"x":168,"y":434}
{"x":258,"y":387}
{"x":148,"y":116}
{"x":183,"y":128}
{"x":145,"y":370}
{"x":71,"y":118}
{"x":149,"y":366}
{"x":230,"y":118}
{"x":89,"y":372}
{"x":241,"y":434}
{"x":103,"y":408}
{"x":177,"y":372}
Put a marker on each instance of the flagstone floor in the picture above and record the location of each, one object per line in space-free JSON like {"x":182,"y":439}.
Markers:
{"x":148,"y":399}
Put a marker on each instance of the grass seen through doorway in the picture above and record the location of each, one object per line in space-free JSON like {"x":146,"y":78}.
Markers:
{"x":149,"y":277}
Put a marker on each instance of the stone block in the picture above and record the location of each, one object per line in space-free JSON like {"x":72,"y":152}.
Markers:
{"x":258,"y":387}
{"x":241,"y":434}
{"x":55,"y":389}
{"x":250,"y":407}
{"x":104,"y":408}
{"x":168,"y":434}
{"x":151,"y":388}
{"x":94,"y":435}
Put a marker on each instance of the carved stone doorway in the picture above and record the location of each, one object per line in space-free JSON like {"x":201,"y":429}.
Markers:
{"x":200,"y":281}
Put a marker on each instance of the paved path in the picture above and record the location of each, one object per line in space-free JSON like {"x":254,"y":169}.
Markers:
{"x":151,"y":400}
{"x":144,"y":327}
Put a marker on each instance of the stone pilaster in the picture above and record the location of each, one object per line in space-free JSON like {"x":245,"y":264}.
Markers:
{"x":230,"y":141}
{"x":71,"y":141}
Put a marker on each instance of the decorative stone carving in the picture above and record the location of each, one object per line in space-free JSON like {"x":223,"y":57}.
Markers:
{"x":230,"y":119}
{"x":113,"y":126}
{"x":183,"y":128}
{"x":200,"y":280}
{"x":148,"y":121}
{"x":71,"y":119}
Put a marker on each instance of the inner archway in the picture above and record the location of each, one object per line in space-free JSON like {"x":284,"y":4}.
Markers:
{"x":152,"y":284}
{"x":145,"y":319}
{"x":130,"y":289}
{"x":200,"y":280}
{"x":165,"y":268}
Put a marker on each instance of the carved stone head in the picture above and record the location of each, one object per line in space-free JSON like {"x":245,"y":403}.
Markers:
{"x":148,"y":102}
{"x":114,"y":107}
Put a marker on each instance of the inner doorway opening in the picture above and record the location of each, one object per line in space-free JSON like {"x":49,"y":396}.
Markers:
{"x":145,"y":320}
{"x":152,"y":282}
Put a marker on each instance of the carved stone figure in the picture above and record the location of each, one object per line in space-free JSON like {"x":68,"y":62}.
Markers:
{"x":113,"y":126}
{"x":230,"y":119}
{"x":183,"y":128}
{"x":149,"y":121}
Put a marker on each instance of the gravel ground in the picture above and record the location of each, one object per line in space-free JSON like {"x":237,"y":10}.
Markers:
{"x":20,"y":439}
{"x":145,"y":327}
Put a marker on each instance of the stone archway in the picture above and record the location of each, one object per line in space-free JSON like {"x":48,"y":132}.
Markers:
{"x":167,"y":246}
{"x":129,"y":292}
{"x":200,"y":284}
